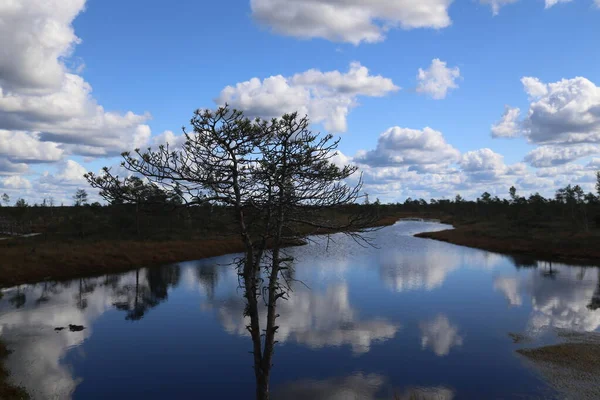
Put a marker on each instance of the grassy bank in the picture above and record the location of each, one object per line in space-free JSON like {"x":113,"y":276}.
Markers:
{"x":544,"y":241}
{"x":7,"y":390}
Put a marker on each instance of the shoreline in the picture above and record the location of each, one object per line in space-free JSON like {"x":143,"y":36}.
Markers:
{"x":570,"y":366}
{"x":579,"y":250}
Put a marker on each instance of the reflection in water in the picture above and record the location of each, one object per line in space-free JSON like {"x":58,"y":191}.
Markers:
{"x":341,"y":299}
{"x":313,"y":319}
{"x":560,"y":296}
{"x":510,"y":288}
{"x":356,"y":387}
{"x":440,"y":335}
{"x":28,"y":326}
{"x":147,"y":292}
{"x":411,"y":270}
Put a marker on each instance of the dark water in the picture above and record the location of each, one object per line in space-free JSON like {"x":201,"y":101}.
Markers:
{"x":362,"y":323}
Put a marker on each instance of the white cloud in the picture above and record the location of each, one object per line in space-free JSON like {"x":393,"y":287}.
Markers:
{"x":594,"y":163}
{"x":440,"y":335}
{"x":564,"y":112}
{"x":325,"y":97}
{"x":46,"y":109}
{"x":508,"y":126}
{"x":169,"y":138}
{"x":497,"y":4}
{"x":438,"y":79}
{"x":352,"y":21}
{"x":409,"y":147}
{"x":550,"y":3}
{"x":36,"y":35}
{"x":70,"y":173}
{"x":549,"y":156}
{"x":483,"y":165}
{"x":16,"y":182}
{"x":534,"y":87}
{"x":18,"y":148}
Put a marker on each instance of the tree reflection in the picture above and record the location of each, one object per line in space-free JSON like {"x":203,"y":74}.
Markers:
{"x":86,"y":287}
{"x":595,"y":301}
{"x":523,"y":261}
{"x":19,"y":299}
{"x":208,"y":276}
{"x":147,"y":291}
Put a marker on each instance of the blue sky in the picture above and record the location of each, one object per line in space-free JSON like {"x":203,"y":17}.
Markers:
{"x":160,"y":61}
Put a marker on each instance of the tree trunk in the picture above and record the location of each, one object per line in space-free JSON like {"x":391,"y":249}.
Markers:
{"x":262,"y":387}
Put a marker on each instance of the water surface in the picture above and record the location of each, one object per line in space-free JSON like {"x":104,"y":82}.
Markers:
{"x":411,"y":314}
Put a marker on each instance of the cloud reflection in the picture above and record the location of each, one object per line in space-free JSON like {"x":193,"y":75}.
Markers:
{"x":38,"y":349}
{"x":314,"y":319}
{"x":561,"y":296}
{"x":358,"y":386}
{"x":440,"y":335}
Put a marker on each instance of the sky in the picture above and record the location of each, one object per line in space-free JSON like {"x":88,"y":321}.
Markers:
{"x":430,"y":98}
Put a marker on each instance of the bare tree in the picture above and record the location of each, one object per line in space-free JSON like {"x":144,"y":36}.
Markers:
{"x":279,"y":180}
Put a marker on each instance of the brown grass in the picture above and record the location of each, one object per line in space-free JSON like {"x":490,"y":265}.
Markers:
{"x":7,"y":390}
{"x":37,"y":261}
{"x":543,"y":243}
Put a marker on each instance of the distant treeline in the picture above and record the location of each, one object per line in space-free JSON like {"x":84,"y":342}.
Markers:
{"x":153,"y":214}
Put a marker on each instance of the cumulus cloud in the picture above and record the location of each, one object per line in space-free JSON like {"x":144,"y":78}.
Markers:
{"x":352,"y":21}
{"x":405,"y":147}
{"x":508,"y":126}
{"x":550,"y":156}
{"x":19,"y":148}
{"x":70,"y":173}
{"x":440,"y":335}
{"x":325,"y":97}
{"x":438,"y":79}
{"x":563,"y":112}
{"x":483,"y":165}
{"x":35,"y":37}
{"x":46,"y":110}
{"x":16,"y":182}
